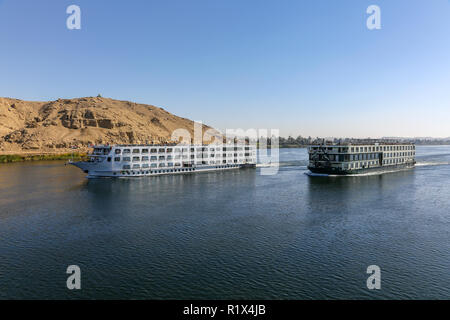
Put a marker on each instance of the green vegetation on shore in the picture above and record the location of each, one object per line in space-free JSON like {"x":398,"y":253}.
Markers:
{"x":40,"y":157}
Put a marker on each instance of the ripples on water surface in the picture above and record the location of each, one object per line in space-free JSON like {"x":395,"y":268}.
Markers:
{"x":234,"y":234}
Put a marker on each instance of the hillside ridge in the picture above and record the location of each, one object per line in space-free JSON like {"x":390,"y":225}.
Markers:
{"x":65,"y":125}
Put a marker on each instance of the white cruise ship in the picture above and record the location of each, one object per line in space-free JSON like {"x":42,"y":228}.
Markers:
{"x":360,"y":157}
{"x":153,"y":160}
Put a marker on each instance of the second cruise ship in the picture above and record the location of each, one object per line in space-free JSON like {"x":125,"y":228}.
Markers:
{"x":360,"y":157}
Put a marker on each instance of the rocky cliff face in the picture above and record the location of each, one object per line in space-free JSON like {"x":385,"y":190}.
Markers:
{"x":62,"y":125}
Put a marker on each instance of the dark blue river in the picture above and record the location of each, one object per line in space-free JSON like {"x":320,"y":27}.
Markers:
{"x":227,"y":235}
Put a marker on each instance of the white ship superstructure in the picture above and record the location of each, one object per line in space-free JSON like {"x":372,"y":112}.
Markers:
{"x":152,"y":160}
{"x":353,"y":158}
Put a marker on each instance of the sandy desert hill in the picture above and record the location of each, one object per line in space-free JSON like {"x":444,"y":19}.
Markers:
{"x":65,"y":124}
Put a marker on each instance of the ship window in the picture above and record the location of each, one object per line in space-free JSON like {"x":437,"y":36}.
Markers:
{"x":154,"y":165}
{"x":136,"y":166}
{"x":162,"y":157}
{"x":153,"y":158}
{"x":126,"y":151}
{"x":118,"y":151}
{"x":136,"y":151}
{"x":162,"y":150}
{"x":126,"y":159}
{"x":162,"y":165}
{"x":145,"y":166}
{"x":153,"y":150}
{"x":169,"y":150}
{"x":144,"y":158}
{"x":144,"y":150}
{"x":136,"y":159}
{"x":117,"y":159}
{"x":126,"y":167}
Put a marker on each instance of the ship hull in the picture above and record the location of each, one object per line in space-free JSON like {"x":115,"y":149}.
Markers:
{"x":335,"y":171}
{"x":94,"y":172}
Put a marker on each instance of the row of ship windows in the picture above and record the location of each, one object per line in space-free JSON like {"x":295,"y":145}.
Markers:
{"x":400,"y":154}
{"x":170,"y":164}
{"x":164,"y":158}
{"x":361,"y":156}
{"x":373,"y":163}
{"x":367,"y":149}
{"x":180,"y":150}
{"x":369,"y":156}
{"x":360,"y":165}
{"x":379,"y":148}
{"x":169,"y":170}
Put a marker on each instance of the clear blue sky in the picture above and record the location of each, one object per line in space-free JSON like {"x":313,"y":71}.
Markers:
{"x":305,"y":67}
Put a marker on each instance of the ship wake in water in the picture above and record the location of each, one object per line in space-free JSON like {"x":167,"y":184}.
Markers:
{"x":366,"y":174}
{"x":429,"y":163}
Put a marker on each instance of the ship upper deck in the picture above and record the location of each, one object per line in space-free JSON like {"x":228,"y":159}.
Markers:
{"x":362,"y":143}
{"x":361,"y":148}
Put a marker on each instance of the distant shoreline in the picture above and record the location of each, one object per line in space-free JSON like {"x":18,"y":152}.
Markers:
{"x":48,"y":156}
{"x":11,"y":158}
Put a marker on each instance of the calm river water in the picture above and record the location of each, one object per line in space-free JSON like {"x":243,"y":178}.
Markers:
{"x":227,"y":235}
